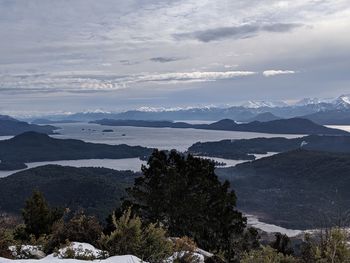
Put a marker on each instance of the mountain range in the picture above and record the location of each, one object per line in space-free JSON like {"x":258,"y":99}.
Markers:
{"x":305,"y":108}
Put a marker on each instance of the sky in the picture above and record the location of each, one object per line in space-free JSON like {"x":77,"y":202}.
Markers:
{"x":115,"y":55}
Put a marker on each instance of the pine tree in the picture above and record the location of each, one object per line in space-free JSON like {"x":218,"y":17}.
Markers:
{"x":37,"y":215}
{"x":184,"y":194}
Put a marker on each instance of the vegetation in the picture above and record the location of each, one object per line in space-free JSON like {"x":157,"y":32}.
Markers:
{"x":245,"y":148}
{"x":38,"y":217}
{"x":130,"y":237}
{"x":298,"y":189}
{"x":267,"y":255}
{"x":184,"y":194}
{"x":96,"y":190}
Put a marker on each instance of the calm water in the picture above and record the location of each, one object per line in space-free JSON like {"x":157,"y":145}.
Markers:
{"x":269,"y":228}
{"x":133,"y":164}
{"x":340,"y":127}
{"x":161,"y":138}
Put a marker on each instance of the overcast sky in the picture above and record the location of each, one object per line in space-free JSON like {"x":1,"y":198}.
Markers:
{"x":74,"y":55}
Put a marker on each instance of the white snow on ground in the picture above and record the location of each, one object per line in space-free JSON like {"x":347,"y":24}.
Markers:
{"x":25,"y":251}
{"x":52,"y":259}
{"x":79,"y":249}
{"x":82,"y":249}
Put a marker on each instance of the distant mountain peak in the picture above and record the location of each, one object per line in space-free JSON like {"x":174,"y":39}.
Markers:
{"x":310,"y":101}
{"x":261,"y":104}
{"x":342,"y":101}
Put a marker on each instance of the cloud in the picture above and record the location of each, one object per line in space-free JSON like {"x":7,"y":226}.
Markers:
{"x":193,"y":76}
{"x":100,"y":81}
{"x":165,"y":59}
{"x":271,"y":73}
{"x":236,"y":32}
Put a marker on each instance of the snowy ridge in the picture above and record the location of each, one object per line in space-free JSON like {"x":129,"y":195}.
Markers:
{"x":261,"y":104}
{"x":163,"y":109}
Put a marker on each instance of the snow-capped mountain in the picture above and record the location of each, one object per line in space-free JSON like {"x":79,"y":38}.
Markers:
{"x":342,"y":102}
{"x":263,"y":104}
{"x":311,"y":101}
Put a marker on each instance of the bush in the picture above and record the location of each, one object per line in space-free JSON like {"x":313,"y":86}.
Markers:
{"x":332,"y":247}
{"x":130,"y":237}
{"x":154,"y":245}
{"x":282,"y":244}
{"x":5,"y":241}
{"x":185,"y":249}
{"x":7,"y":224}
{"x":81,"y":251}
{"x":80,"y":228}
{"x":267,"y":255}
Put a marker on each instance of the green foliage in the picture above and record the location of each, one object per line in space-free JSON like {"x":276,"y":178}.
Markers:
{"x":282,"y":244}
{"x":96,"y":190}
{"x":245,"y":148}
{"x":154,"y":246}
{"x":6,"y":239}
{"x":185,"y":195}
{"x":267,"y":255}
{"x":334,"y":247}
{"x":296,"y":190}
{"x":184,"y":249}
{"x":38,"y":216}
{"x":130,"y":237}
{"x":80,"y":228}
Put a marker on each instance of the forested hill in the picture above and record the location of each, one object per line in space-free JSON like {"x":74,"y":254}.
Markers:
{"x":282,"y":126}
{"x":10,"y":126}
{"x":36,"y":147}
{"x":298,"y":189}
{"x":245,"y":148}
{"x":96,"y":190}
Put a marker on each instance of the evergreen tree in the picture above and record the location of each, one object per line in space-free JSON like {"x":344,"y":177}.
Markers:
{"x":37,"y":215}
{"x":184,"y":194}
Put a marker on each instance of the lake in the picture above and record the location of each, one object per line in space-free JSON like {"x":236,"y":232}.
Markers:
{"x":133,"y":164}
{"x":270,"y":228}
{"x":161,"y":138}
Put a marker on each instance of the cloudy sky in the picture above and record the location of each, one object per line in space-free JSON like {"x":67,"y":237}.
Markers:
{"x":74,"y":55}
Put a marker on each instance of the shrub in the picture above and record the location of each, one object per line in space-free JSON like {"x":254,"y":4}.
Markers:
{"x":130,"y":237}
{"x":185,"y":249}
{"x":267,"y":255}
{"x":282,"y":244}
{"x":154,"y":245}
{"x":333,"y":247}
{"x":80,"y":228}
{"x":5,"y":241}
